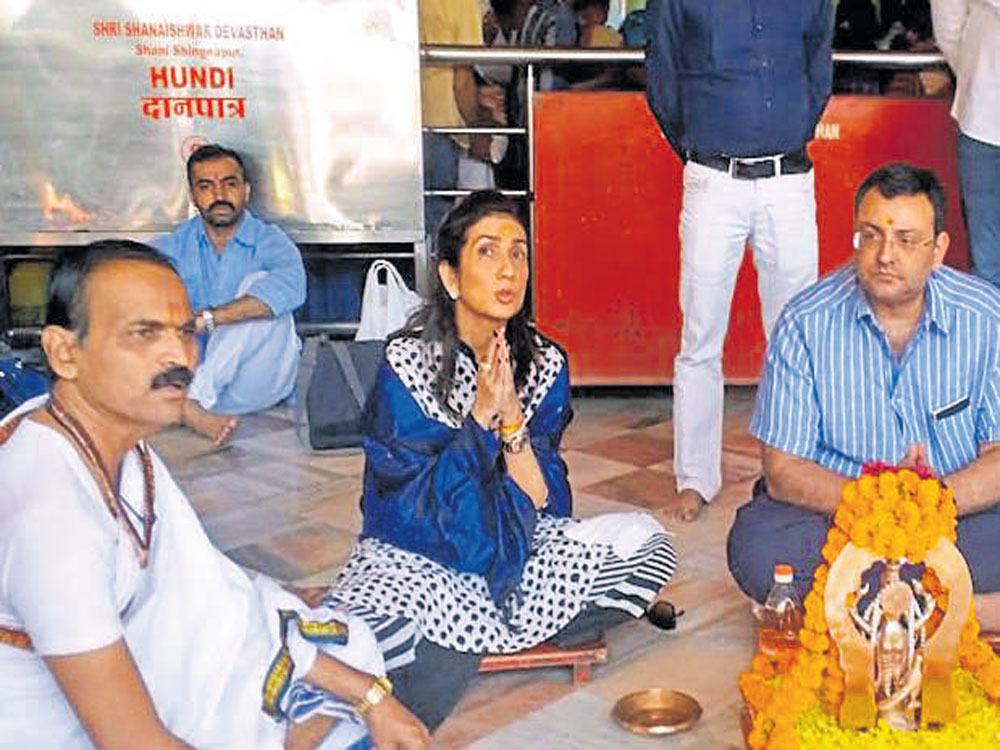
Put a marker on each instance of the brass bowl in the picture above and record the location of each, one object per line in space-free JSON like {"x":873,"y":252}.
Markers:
{"x":657,"y":711}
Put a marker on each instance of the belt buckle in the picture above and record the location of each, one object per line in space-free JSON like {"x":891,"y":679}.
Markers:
{"x":751,"y":162}
{"x":776,"y":159}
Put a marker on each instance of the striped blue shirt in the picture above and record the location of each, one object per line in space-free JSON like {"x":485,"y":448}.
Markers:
{"x":833,"y":391}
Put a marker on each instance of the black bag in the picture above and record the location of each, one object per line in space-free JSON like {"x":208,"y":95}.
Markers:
{"x":338,"y":377}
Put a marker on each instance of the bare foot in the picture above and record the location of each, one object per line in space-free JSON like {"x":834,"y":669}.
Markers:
{"x":685,"y":506}
{"x":309,"y":734}
{"x":216,"y":427}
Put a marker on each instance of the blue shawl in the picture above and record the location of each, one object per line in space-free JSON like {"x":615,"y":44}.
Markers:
{"x":443,"y":491}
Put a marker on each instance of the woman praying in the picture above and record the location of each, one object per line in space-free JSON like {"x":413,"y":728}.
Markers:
{"x":467,"y":545}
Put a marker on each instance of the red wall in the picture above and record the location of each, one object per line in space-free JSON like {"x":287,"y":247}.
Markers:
{"x":608,"y":197}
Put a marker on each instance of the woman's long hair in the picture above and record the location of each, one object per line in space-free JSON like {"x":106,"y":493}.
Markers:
{"x":436,"y":319}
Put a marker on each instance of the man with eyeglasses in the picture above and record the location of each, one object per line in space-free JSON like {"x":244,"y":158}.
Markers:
{"x":894,"y":358}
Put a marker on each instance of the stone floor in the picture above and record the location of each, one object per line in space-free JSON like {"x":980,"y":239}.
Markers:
{"x":274,"y":506}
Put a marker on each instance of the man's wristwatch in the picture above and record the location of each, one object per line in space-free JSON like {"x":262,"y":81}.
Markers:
{"x":208,"y":319}
{"x":380,"y":689}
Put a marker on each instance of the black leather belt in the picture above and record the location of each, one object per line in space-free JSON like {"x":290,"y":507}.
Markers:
{"x":757,"y":167}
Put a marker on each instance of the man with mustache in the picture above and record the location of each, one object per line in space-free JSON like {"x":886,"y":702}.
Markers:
{"x":893,"y":358}
{"x":244,"y":278}
{"x":121,"y":626}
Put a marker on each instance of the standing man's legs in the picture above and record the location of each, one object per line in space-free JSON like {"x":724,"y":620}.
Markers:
{"x":979,"y":167}
{"x":714,"y":227}
{"x":785,"y":241}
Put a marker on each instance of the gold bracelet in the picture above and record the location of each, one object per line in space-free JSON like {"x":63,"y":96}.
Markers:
{"x":512,"y":429}
{"x":380,"y":688}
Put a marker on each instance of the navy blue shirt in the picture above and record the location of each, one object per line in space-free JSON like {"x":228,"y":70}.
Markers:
{"x":738,"y":77}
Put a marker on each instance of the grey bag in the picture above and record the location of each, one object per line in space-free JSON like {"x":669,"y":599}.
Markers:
{"x":338,"y":377}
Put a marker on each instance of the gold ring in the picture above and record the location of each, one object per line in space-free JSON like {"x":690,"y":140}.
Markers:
{"x":485,"y":367}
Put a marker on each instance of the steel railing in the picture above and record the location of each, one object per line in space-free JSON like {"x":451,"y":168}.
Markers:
{"x":534,"y":57}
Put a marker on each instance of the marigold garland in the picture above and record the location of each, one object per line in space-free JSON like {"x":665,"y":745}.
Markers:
{"x":894,"y":513}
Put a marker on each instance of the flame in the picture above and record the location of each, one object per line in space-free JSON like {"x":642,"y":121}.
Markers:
{"x":53,"y":203}
{"x":281,"y":183}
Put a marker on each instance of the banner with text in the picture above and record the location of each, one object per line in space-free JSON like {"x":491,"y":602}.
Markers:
{"x":104,"y":100}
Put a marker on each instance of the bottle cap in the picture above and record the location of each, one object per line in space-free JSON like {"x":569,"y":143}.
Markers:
{"x":783,"y":573}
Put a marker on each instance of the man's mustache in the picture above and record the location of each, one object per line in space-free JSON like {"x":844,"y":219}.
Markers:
{"x":178,"y":377}
{"x":227,"y":204}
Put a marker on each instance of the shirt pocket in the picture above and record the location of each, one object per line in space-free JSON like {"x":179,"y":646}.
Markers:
{"x":950,"y":408}
{"x":951,"y":420}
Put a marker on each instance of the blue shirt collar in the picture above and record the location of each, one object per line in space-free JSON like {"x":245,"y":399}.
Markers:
{"x":243,"y":235}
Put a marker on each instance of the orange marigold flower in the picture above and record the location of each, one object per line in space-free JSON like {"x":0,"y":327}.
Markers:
{"x":757,"y":693}
{"x":833,"y":669}
{"x":849,"y":493}
{"x":817,"y":642}
{"x":763,"y":666}
{"x":757,"y":739}
{"x":971,"y":628}
{"x":843,"y":517}
{"x":929,"y":493}
{"x":783,"y":738}
{"x":976,"y":656}
{"x":908,"y":516}
{"x":836,"y":540}
{"x":887,"y":483}
{"x":908,"y":480}
{"x":821,"y":573}
{"x":809,"y":671}
{"x":784,"y":659}
{"x":867,"y":485}
{"x":815,"y":621}
{"x":897,"y":541}
{"x":989,"y":676}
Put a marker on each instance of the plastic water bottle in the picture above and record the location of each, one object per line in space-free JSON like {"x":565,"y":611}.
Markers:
{"x":780,"y":619}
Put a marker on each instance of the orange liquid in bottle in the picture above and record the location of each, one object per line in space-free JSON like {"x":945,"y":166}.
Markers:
{"x":779,"y":632}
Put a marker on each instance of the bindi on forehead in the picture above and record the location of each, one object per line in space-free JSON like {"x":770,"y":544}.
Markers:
{"x":511,"y":229}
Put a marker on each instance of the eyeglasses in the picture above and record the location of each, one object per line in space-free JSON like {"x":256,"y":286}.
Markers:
{"x":873,"y":239}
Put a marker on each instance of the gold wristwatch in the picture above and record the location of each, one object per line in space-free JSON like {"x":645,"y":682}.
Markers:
{"x":380,"y":688}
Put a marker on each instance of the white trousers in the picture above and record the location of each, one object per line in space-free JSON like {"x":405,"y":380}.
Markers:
{"x":248,"y":366}
{"x":720,"y":214}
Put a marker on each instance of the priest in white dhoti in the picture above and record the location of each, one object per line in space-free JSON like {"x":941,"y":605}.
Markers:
{"x":120,"y":624}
